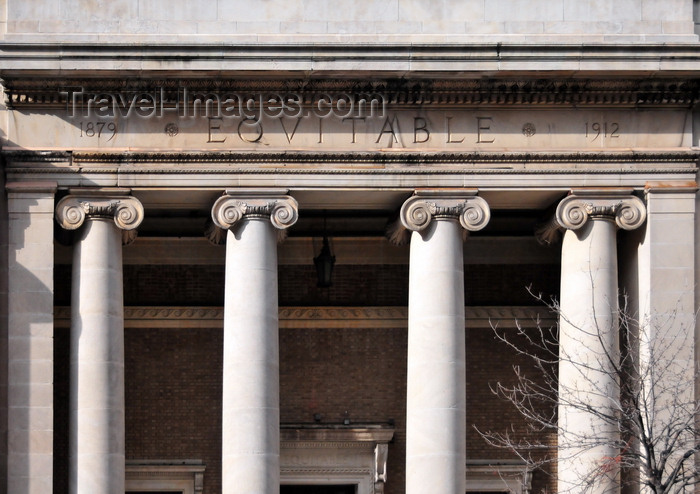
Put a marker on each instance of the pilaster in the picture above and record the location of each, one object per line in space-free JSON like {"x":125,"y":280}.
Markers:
{"x":666,"y":321}
{"x":30,"y":338}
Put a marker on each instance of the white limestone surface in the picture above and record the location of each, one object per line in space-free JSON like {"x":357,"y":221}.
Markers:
{"x":250,"y":427}
{"x":97,"y":423}
{"x":291,"y":19}
{"x":30,"y":339}
{"x":388,"y":129}
{"x":436,"y":379}
{"x":588,"y":338}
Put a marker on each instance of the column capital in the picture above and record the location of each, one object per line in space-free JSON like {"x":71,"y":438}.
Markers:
{"x":237,"y":204}
{"x":628,"y":211}
{"x":72,"y":210}
{"x":419,"y":210}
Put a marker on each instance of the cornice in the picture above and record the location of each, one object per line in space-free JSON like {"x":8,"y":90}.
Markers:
{"x":30,"y":91}
{"x":316,"y":317}
{"x":355,"y":55}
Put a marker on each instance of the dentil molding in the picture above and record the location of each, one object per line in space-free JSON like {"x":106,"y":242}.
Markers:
{"x":33,"y":92}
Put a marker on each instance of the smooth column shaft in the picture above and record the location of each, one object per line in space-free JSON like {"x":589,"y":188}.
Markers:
{"x":97,"y":362}
{"x":589,"y":343}
{"x":250,"y":435}
{"x":436,"y":382}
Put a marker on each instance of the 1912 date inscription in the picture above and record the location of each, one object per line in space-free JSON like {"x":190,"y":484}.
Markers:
{"x":594,"y":130}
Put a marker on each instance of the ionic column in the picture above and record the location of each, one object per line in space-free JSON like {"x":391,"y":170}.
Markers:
{"x":97,"y":337}
{"x":250,"y":426}
{"x":588,"y":337}
{"x":436,"y":381}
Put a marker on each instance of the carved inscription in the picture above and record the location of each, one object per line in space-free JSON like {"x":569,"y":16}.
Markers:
{"x":391,"y":132}
{"x":448,"y":129}
{"x":594,"y":130}
{"x":97,"y":129}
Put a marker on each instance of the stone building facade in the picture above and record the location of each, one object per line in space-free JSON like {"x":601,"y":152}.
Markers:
{"x":172,"y":173}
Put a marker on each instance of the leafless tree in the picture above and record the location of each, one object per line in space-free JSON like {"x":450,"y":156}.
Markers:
{"x":655,"y":416}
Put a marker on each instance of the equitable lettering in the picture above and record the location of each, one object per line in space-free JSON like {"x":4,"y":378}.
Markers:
{"x":215,"y":125}
{"x":388,"y":128}
{"x":420,"y":125}
{"x":449,"y":132}
{"x":480,"y":125}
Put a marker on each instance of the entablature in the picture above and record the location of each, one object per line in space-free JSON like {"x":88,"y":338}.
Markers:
{"x":378,"y":181}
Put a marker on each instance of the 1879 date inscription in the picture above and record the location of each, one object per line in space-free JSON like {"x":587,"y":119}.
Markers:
{"x":97,"y":129}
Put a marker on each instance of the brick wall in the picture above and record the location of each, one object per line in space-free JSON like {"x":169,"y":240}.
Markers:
{"x":173,"y":391}
{"x":352,"y":285}
{"x":358,"y":371}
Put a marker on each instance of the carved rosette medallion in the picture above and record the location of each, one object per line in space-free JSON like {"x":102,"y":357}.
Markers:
{"x":417,"y":212}
{"x":234,"y":206}
{"x":126,"y":211}
{"x":627,"y":211}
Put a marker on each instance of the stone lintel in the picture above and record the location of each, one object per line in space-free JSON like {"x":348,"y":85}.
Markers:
{"x":671,"y":187}
{"x":336,"y":433}
{"x":107,"y":192}
{"x":32,"y":187}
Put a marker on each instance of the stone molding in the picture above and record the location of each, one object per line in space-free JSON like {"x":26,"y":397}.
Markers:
{"x":319,"y":317}
{"x":46,"y":93}
{"x":186,"y":476}
{"x":628,"y":211}
{"x":235,"y":205}
{"x":408,"y":158}
{"x":73,"y":210}
{"x":72,"y":168}
{"x":314,"y":435}
{"x":418,"y":211}
{"x":304,"y":454}
{"x":498,"y":476}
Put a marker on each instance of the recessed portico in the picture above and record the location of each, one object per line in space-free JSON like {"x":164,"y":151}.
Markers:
{"x":430,"y":211}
